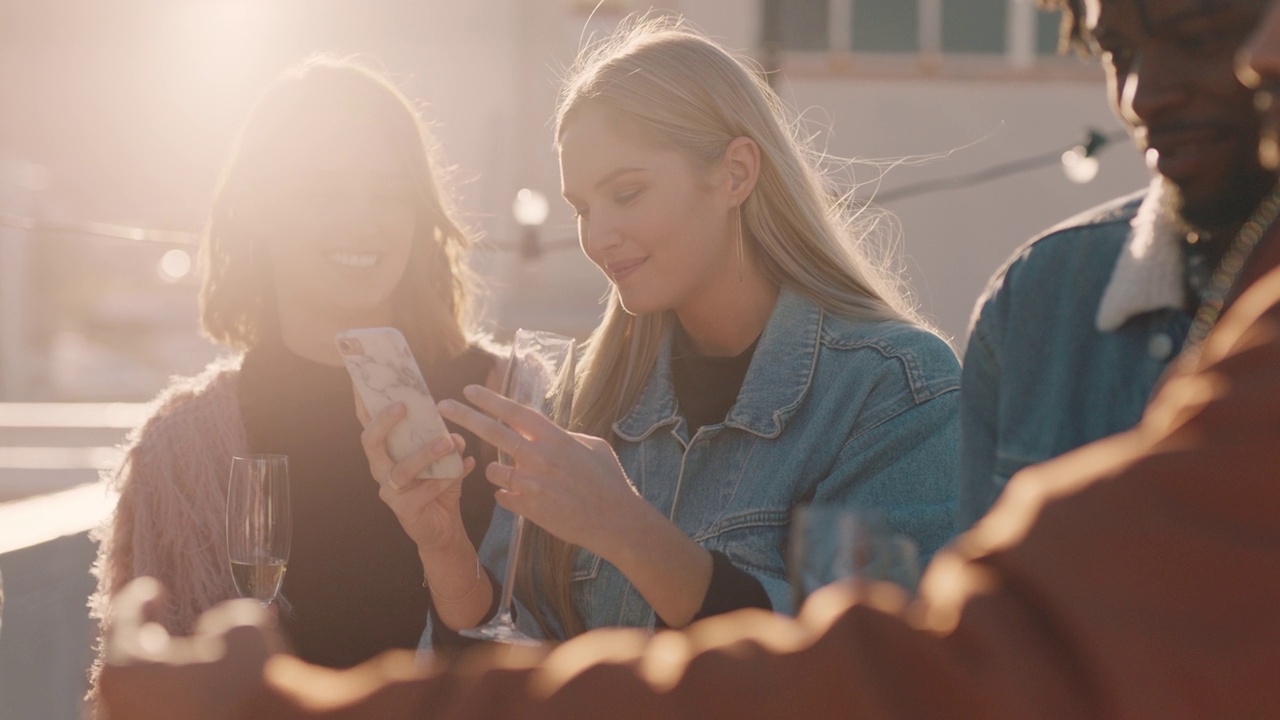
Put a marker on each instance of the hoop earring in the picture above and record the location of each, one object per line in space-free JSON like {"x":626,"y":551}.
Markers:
{"x":741,"y":247}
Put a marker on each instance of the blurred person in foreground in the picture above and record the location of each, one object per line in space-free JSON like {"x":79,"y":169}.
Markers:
{"x":752,"y":357}
{"x":1134,"y":577}
{"x":1073,"y":334}
{"x":330,"y":215}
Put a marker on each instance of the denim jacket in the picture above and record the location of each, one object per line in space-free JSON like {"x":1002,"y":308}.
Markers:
{"x":831,"y":411}
{"x":1069,"y":341}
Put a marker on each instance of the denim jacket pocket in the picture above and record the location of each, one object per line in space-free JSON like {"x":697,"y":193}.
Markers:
{"x":754,"y":540}
{"x":586,"y":566}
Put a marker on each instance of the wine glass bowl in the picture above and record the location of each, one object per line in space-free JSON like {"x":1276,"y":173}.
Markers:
{"x":539,"y":375}
{"x":830,"y":543}
{"x":259,"y":525}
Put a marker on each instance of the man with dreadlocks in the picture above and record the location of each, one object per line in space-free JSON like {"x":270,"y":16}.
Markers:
{"x":1073,"y":334}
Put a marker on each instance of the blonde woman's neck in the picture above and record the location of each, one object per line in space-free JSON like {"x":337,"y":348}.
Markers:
{"x":726,"y":323}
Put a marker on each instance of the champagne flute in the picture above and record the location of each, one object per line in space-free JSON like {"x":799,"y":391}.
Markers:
{"x":259,"y":526}
{"x":830,"y":543}
{"x":540,"y":376}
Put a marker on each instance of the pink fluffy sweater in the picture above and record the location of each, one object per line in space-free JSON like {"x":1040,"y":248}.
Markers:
{"x":170,"y":521}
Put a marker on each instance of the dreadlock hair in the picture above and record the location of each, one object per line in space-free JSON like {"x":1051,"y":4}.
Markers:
{"x":1072,"y":34}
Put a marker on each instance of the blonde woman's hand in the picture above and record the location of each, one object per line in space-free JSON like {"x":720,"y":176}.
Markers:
{"x":428,"y":510}
{"x":570,"y":484}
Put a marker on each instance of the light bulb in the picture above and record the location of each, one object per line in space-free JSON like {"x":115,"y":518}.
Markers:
{"x":530,"y":208}
{"x":1078,"y":166}
{"x":175,"y":265}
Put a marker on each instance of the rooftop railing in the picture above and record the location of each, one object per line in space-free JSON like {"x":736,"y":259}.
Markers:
{"x":50,"y":500}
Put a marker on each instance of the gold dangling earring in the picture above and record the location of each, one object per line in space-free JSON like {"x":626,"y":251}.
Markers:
{"x":741,"y":248}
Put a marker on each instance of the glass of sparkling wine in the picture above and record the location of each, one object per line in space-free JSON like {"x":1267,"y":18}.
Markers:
{"x":830,"y":543}
{"x":258,"y":524}
{"x":540,"y":375}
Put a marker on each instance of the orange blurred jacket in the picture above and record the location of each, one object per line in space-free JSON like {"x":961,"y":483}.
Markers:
{"x":1137,"y":577}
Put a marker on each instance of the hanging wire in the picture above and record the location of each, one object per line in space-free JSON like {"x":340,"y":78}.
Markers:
{"x":103,"y":230}
{"x":1093,"y":143}
{"x":544,"y":246}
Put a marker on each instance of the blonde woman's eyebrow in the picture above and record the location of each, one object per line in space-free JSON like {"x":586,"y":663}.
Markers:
{"x":617,"y":174}
{"x":572,"y":199}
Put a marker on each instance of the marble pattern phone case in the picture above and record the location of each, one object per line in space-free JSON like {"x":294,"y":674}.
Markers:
{"x":385,"y":372}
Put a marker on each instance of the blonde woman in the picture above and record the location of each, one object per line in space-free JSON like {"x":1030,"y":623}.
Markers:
{"x":750,"y":359}
{"x":330,"y":215}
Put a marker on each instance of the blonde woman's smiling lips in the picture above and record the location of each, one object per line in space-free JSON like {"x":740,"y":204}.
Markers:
{"x":620,"y":269}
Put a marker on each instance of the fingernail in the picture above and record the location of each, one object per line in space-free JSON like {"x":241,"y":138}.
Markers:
{"x":441,"y":445}
{"x":446,"y":406}
{"x":470,"y":391}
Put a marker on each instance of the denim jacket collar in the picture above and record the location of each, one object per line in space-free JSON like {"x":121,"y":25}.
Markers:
{"x":1148,"y":274}
{"x":776,"y":382}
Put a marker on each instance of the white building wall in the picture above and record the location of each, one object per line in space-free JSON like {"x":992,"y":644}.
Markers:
{"x":951,"y":241}
{"x":489,"y":70}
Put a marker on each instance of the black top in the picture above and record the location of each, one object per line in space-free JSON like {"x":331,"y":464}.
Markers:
{"x":353,"y":587}
{"x":706,"y":388}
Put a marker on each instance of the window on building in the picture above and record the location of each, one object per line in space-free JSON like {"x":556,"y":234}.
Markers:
{"x":797,"y":24}
{"x":886,"y":26}
{"x":999,"y":31}
{"x":974,"y":26}
{"x":1048,"y":31}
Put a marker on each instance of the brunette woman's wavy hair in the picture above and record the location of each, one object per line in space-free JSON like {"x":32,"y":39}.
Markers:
{"x":237,"y":296}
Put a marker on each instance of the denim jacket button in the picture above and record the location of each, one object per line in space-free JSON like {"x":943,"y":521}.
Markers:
{"x":1160,"y":346}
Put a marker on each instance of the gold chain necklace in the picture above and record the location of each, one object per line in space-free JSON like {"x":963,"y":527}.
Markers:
{"x":1228,"y":272}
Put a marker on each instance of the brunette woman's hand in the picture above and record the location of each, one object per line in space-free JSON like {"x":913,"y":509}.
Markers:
{"x":570,"y":484}
{"x":428,"y":510}
{"x":204,"y":676}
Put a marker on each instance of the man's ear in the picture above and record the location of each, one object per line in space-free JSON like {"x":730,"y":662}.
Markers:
{"x":742,"y":164}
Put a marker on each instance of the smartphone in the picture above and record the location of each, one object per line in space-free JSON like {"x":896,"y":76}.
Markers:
{"x":384,"y":372}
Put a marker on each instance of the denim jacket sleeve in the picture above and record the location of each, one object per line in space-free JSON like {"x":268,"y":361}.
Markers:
{"x":1039,"y":377}
{"x":979,"y":400}
{"x":903,"y":465}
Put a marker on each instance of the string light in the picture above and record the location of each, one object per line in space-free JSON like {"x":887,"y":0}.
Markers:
{"x":531,"y":208}
{"x":1081,"y":155}
{"x":1080,"y":163}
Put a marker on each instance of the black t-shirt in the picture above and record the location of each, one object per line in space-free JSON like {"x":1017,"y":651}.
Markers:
{"x":706,"y":387}
{"x":354,"y":581}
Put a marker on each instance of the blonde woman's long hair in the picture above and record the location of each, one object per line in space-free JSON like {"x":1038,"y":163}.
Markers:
{"x":688,"y":93}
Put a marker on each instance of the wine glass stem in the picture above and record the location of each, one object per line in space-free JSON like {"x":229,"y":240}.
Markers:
{"x":509,"y":577}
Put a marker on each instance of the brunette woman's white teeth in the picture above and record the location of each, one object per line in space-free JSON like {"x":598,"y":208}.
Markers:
{"x":354,"y":260}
